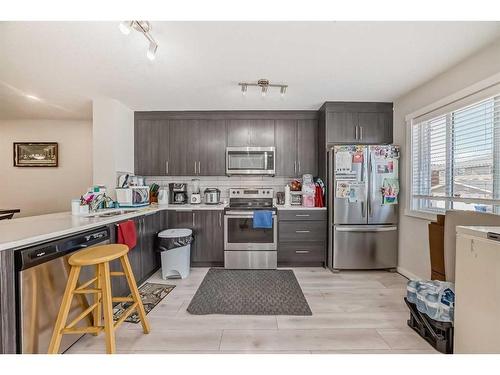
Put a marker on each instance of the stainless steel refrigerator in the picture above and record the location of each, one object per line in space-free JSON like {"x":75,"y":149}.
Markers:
{"x":363,"y":206}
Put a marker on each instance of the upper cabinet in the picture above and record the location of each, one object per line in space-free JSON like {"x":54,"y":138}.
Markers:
{"x":250,"y":133}
{"x":194,"y":143}
{"x":151,"y":140}
{"x":358,"y":122}
{"x":296,"y":147}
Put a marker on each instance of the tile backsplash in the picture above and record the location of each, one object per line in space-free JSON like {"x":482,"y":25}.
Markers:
{"x":223,"y":183}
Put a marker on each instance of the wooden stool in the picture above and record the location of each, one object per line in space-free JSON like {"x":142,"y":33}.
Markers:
{"x":98,"y":256}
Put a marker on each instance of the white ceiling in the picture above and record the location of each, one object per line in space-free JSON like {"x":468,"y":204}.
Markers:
{"x":199,"y":64}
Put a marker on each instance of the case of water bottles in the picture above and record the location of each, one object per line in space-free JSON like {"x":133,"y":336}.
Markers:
{"x":431,"y":305}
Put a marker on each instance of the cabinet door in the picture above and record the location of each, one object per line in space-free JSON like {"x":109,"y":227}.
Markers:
{"x":341,"y":127}
{"x":209,"y":247}
{"x":307,"y":147}
{"x":212,"y":148}
{"x":183,"y":147}
{"x":150,"y":257}
{"x":250,"y":133}
{"x":150,"y":147}
{"x":286,"y":148}
{"x":375,"y":127}
{"x":134,"y":255}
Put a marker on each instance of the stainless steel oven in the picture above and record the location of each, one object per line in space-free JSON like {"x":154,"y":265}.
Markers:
{"x":250,"y":160}
{"x":246,"y":247}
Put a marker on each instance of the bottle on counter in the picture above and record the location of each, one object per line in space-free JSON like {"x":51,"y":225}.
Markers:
{"x":287,"y":195}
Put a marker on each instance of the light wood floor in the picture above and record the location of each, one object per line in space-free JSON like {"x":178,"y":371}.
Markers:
{"x":353,"y":312}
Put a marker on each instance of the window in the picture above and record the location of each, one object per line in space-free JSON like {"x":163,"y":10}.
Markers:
{"x":455,"y":160}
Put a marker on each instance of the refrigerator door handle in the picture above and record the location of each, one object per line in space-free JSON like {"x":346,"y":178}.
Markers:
{"x":369,"y":228}
{"x":370,"y":170}
{"x":363,"y":209}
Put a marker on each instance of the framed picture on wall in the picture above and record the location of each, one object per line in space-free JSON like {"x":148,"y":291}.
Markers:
{"x":35,"y":154}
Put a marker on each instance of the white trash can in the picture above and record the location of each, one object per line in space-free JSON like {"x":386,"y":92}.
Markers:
{"x":175,"y":247}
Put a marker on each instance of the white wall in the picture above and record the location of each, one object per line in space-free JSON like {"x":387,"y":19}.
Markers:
{"x":113,"y":141}
{"x":413,"y":234}
{"x":40,"y":190}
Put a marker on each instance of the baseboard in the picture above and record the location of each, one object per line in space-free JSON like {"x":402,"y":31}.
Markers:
{"x":408,"y":274}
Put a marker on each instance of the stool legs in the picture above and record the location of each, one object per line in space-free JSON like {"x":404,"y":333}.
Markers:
{"x":55,"y":342}
{"x":135,"y":293}
{"x":97,"y":314}
{"x":107,"y":308}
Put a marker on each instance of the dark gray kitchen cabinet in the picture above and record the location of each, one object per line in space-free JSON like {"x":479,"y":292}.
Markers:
{"x":302,"y":237}
{"x":358,"y":122}
{"x":211,"y":148}
{"x":150,"y":258}
{"x":134,"y":255}
{"x":207,"y":248}
{"x":184,"y":149}
{"x":307,"y":147}
{"x":375,"y":127}
{"x":296,"y":147}
{"x":250,"y":133}
{"x":286,"y":148}
{"x":150,"y":151}
{"x":342,"y":127}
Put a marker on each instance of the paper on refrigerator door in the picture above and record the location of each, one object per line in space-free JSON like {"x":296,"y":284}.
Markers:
{"x":356,"y":193}
{"x":343,"y":189}
{"x":390,"y":191}
{"x":343,"y":162}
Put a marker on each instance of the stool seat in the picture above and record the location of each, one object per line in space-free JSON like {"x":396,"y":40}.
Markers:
{"x":98,"y":255}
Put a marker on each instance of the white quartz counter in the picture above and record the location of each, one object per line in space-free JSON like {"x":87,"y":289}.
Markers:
{"x":477,"y":230}
{"x":25,"y":231}
{"x":299,"y":208}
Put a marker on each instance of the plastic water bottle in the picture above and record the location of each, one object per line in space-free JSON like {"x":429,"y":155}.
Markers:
{"x":411,"y":291}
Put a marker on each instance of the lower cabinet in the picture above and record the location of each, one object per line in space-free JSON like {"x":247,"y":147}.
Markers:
{"x":207,"y":248}
{"x":302,"y":237}
{"x":143,"y":258}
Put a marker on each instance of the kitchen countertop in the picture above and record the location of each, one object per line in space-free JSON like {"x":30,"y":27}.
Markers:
{"x":299,"y":208}
{"x":24,"y":231}
{"x":29,"y":230}
{"x":477,"y":230}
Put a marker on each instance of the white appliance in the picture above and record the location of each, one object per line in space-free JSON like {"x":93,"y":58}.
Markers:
{"x":363,"y":198}
{"x":195,"y":195}
{"x":163,"y":196}
{"x":133,"y":196}
{"x":246,"y":247}
{"x":250,"y":161}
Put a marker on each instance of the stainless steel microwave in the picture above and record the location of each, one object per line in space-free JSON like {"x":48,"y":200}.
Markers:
{"x":250,"y":161}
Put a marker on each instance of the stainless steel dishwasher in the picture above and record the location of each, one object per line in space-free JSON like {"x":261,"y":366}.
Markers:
{"x":42,"y":273}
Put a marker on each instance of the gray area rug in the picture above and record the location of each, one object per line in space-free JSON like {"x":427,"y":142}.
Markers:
{"x":249,"y":292}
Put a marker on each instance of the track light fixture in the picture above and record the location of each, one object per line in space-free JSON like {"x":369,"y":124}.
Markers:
{"x":144,"y":27}
{"x":264,"y":87}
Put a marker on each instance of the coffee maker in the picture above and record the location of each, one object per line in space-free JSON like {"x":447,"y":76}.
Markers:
{"x":177,"y":193}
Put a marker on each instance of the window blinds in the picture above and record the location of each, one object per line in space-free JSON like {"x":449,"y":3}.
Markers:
{"x":456,"y":159}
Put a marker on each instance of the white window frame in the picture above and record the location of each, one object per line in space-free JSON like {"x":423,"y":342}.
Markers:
{"x":474,"y":93}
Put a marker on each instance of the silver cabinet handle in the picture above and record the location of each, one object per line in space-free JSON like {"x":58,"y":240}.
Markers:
{"x":194,"y":167}
{"x":361,"y":132}
{"x":220,"y":219}
{"x":166,"y":166}
{"x":294,"y":167}
{"x":302,"y":215}
{"x":356,"y":132}
{"x":301,"y":251}
{"x":193,"y":219}
{"x":302,"y":231}
{"x":199,"y":167}
{"x":299,"y":166}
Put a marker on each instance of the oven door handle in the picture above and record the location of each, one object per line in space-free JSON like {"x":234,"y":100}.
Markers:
{"x":243,"y":216}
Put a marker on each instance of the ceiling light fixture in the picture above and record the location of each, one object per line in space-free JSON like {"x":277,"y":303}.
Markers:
{"x":264,"y":85}
{"x":144,"y":27}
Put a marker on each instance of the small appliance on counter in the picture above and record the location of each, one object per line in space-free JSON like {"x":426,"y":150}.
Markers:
{"x":195,"y":195}
{"x":177,"y":193}
{"x":133,"y":196}
{"x":212,"y":196}
{"x":163,"y":196}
